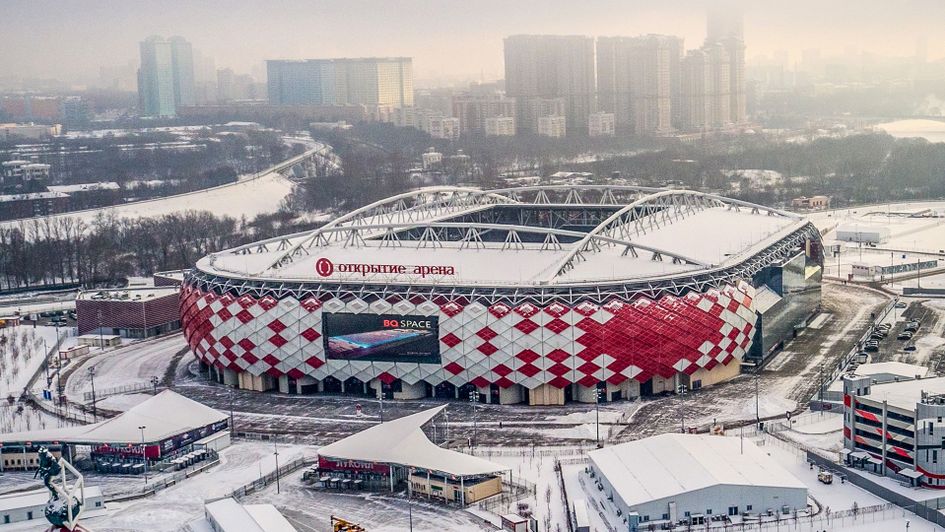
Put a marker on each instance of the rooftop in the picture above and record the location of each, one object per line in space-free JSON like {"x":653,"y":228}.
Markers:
{"x":667,"y":465}
{"x":526,"y":236}
{"x":128,"y":294}
{"x":164,"y":415}
{"x":402,"y":442}
{"x":906,"y":394}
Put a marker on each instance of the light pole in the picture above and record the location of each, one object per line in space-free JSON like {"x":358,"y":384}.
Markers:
{"x":144,"y":454}
{"x":757,"y":400}
{"x":101,"y":333}
{"x":681,"y":390}
{"x":275,"y":447}
{"x":597,"y":413}
{"x":92,"y":376}
{"x":380,"y":398}
{"x":473,"y":399}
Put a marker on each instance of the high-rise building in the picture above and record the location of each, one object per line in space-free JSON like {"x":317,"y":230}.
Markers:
{"x":637,"y":78}
{"x":166,"y":76}
{"x":182,"y":60}
{"x":552,"y":126}
{"x":499,"y":126}
{"x":725,"y":27}
{"x":600,"y":124}
{"x":693,"y":102}
{"x":551,"y":66}
{"x":373,"y":81}
{"x":532,"y":109}
{"x":473,"y":110}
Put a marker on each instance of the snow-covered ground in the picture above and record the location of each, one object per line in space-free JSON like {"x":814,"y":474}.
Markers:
{"x":133,"y":364}
{"x":930,"y":130}
{"x":248,"y":198}
{"x":169,"y":510}
{"x":22,"y":352}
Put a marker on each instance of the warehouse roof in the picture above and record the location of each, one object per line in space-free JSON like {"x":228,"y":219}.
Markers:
{"x":164,"y":415}
{"x":402,"y":442}
{"x":667,"y":465}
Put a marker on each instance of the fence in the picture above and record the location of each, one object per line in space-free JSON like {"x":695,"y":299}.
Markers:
{"x":267,"y":479}
{"x":119,"y":390}
{"x":167,"y":480}
{"x":929,"y":510}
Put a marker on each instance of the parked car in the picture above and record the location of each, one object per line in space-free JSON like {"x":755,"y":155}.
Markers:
{"x":901,"y":304}
{"x":911,"y":327}
{"x":871,"y":347}
{"x":909,"y":347}
{"x":904,"y":335}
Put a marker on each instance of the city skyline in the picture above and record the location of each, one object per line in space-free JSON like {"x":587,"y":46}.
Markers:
{"x":434,"y":34}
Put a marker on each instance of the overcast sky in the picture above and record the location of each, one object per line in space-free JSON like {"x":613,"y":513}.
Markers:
{"x":70,"y":40}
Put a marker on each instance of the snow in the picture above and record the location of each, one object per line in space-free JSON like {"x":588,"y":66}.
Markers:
{"x":402,"y":441}
{"x":930,"y":130}
{"x":169,"y":510}
{"x":122,"y":402}
{"x":133,"y":364}
{"x":23,"y":351}
{"x":667,"y":465}
{"x":249,"y":198}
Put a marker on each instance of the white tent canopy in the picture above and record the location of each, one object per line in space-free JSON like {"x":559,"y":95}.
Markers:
{"x":165,"y":415}
{"x":403,"y":442}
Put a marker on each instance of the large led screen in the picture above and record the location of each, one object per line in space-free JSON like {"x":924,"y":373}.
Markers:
{"x":381,"y":337}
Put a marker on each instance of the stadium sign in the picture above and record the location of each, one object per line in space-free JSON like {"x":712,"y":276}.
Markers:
{"x":326,"y":268}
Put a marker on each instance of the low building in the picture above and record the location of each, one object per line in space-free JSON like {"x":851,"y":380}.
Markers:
{"x":14,"y":206}
{"x":30,"y":506}
{"x":896,"y":429}
{"x":863,"y":233}
{"x":813,"y":203}
{"x":21,"y":176}
{"x":879,"y":373}
{"x":29,"y":131}
{"x":499,"y":126}
{"x":90,"y":195}
{"x":227,"y":515}
{"x":398,"y":453}
{"x":7,"y":322}
{"x":100,"y":341}
{"x":440,"y":127}
{"x":600,"y":125}
{"x":686,"y":478}
{"x":168,"y":278}
{"x":159,"y":428}
{"x":552,"y":126}
{"x":432,"y":159}
{"x":129,"y":313}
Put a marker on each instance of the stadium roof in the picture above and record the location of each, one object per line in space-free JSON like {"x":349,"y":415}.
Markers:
{"x":402,"y":442}
{"x":558,"y":235}
{"x":668,"y":465}
{"x":165,"y":415}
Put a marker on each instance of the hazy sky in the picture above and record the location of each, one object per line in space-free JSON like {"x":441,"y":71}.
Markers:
{"x":447,"y":38}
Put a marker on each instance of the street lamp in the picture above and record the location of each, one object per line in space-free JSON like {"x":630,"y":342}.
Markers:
{"x":473,"y":399}
{"x":101,"y":332}
{"x":144,"y":454}
{"x":275,"y":448}
{"x":681,"y":390}
{"x":380,"y":398}
{"x":597,"y":394}
{"x":91,"y":371}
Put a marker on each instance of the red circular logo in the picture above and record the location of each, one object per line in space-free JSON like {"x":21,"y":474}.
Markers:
{"x":324,"y":267}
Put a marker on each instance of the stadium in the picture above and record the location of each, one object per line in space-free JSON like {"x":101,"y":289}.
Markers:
{"x":539,"y":294}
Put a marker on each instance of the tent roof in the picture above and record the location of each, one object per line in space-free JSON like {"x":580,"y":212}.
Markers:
{"x":403,"y":442}
{"x":164,"y":415}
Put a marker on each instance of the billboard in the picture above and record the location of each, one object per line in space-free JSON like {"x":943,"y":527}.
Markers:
{"x":381,"y":337}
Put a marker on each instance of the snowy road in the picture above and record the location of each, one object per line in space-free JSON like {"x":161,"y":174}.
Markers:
{"x":134,"y":364}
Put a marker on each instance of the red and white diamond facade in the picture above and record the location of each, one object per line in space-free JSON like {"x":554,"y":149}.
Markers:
{"x":532,"y":287}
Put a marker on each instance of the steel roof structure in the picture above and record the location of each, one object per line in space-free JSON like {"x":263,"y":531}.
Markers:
{"x":571,"y":242}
